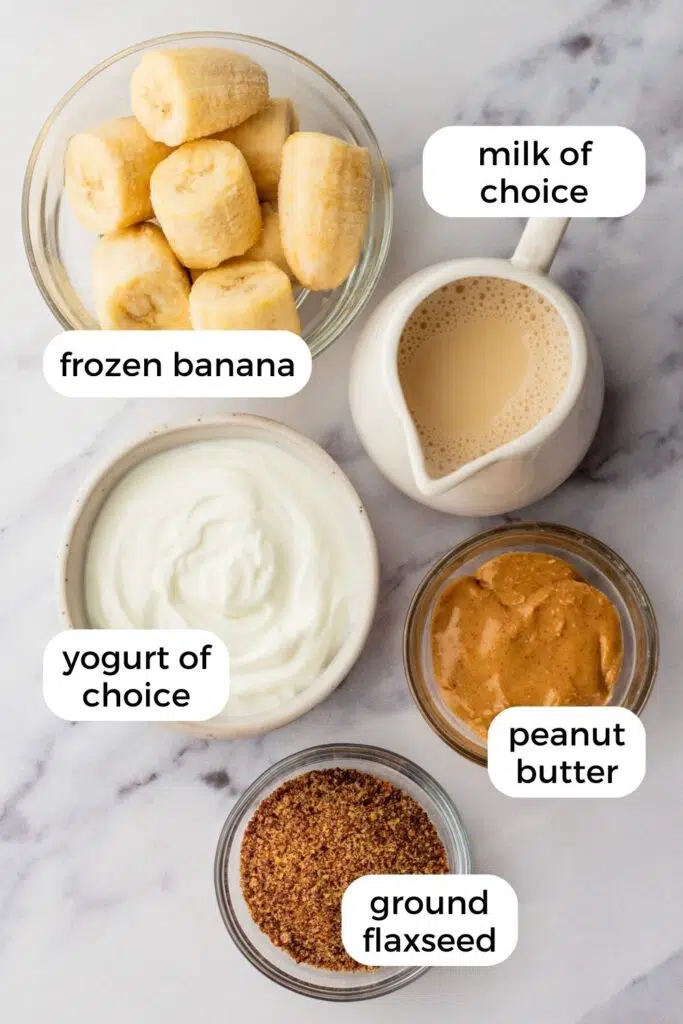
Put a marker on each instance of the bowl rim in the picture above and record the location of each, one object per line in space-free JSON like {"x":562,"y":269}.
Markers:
{"x":382,"y":167}
{"x":542,"y":531}
{"x":298,"y":763}
{"x":316,"y":458}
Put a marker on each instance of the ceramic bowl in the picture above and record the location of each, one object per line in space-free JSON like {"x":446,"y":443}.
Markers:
{"x":344,"y":503}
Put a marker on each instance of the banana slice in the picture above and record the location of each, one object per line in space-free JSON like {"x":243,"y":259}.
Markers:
{"x":268,"y":247}
{"x":107,"y":172}
{"x":260,"y":139}
{"x":205,"y":200}
{"x":269,"y":244}
{"x":324,"y":202}
{"x":244,"y":296}
{"x":180,"y":95}
{"x":138,"y":282}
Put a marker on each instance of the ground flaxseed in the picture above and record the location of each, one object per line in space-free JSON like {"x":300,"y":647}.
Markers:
{"x":311,"y":838}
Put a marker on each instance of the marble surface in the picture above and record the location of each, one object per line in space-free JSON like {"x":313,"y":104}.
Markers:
{"x":107,"y":834}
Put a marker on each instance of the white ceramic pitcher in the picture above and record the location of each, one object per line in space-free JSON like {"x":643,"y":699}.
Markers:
{"x":517,"y":473}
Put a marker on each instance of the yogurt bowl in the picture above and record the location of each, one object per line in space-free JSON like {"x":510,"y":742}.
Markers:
{"x":324,"y":565}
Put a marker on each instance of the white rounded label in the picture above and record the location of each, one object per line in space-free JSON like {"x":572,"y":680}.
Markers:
{"x":534,"y":171}
{"x":177,"y":364}
{"x":136,"y":675}
{"x":566,"y":752}
{"x":429,"y":920}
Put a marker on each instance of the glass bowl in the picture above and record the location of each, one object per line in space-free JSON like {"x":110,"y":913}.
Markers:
{"x":341,"y":986}
{"x":59,"y":249}
{"x":598,"y":565}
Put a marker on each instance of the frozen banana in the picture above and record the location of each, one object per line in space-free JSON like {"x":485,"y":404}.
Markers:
{"x":180,"y":95}
{"x":260,"y":139}
{"x":268,"y":247}
{"x":107,"y":172}
{"x":205,"y":200}
{"x":269,"y":244}
{"x":138,"y":282}
{"x":244,"y":296}
{"x":324,"y":202}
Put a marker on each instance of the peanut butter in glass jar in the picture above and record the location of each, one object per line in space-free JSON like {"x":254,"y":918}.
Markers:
{"x":524,"y":629}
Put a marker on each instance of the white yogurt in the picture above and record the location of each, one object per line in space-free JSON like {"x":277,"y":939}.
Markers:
{"x":234,"y":536}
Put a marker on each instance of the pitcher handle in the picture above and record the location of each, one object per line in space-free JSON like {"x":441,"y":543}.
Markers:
{"x":539,"y":242}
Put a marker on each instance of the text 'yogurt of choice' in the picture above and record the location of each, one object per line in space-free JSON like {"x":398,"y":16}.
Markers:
{"x":235,"y":536}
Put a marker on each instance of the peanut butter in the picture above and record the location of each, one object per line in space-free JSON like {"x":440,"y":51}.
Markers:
{"x":526,"y":628}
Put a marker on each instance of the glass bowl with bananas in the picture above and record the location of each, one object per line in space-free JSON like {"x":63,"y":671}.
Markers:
{"x":207,"y":181}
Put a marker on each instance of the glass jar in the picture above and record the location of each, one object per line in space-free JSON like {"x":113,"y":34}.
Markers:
{"x":596,"y":563}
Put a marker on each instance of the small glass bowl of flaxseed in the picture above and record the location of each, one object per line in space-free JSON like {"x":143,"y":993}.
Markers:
{"x":301,"y":833}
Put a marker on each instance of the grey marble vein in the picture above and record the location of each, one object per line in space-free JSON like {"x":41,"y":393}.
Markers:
{"x":654,"y":998}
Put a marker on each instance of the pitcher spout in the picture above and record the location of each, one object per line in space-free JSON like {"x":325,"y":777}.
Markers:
{"x":435,"y":486}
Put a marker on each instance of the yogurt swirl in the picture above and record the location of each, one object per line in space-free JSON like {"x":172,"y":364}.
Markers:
{"x":234,"y":536}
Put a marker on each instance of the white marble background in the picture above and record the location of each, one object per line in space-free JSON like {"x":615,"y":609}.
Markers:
{"x":107,"y":833}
